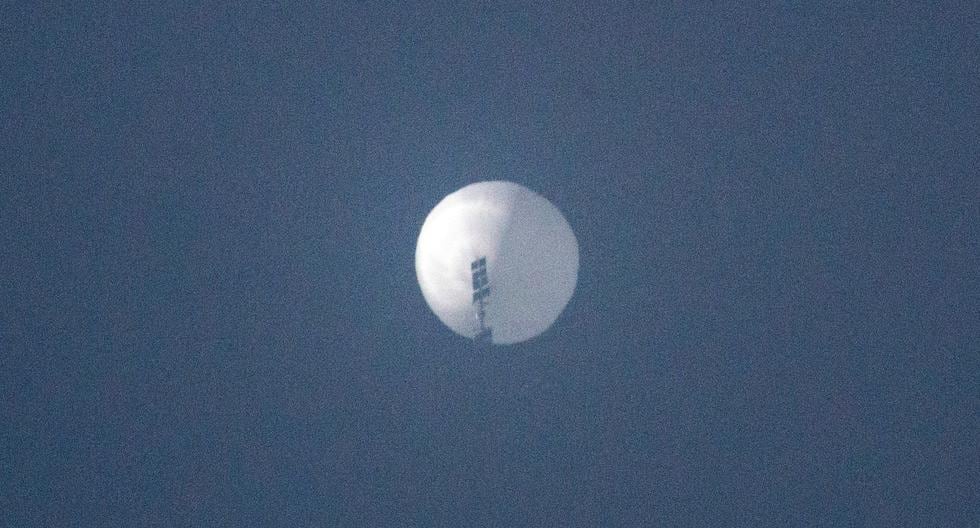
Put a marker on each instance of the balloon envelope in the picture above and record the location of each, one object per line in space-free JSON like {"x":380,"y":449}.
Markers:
{"x":531,"y":252}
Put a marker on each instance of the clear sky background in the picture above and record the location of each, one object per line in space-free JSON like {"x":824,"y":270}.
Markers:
{"x":208,"y":307}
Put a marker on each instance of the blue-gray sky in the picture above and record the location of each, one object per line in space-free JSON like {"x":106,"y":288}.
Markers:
{"x":208,"y":308}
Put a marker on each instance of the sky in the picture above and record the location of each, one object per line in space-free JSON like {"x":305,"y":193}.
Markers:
{"x":209,"y":314}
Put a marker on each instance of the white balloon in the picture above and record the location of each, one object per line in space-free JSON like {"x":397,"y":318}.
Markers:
{"x":531,"y":252}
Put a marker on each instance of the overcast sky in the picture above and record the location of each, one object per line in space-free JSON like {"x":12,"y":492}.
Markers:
{"x":209,"y":314}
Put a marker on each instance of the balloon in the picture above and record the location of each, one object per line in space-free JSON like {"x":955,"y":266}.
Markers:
{"x":531,"y":260}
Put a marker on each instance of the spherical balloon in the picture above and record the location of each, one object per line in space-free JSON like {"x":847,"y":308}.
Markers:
{"x":531,"y":261}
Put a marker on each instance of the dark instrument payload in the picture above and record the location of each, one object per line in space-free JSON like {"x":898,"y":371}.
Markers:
{"x":481,"y":292}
